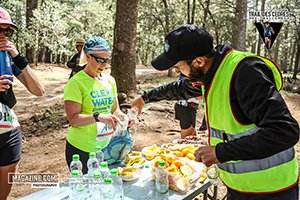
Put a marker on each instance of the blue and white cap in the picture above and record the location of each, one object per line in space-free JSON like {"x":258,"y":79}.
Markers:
{"x":96,"y":44}
{"x":93,"y":45}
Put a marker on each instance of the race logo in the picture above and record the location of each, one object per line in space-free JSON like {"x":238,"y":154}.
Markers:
{"x":268,"y":31}
{"x":269,"y":15}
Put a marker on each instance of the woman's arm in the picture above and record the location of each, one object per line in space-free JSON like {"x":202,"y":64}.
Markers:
{"x":27,"y":77}
{"x":75,"y":118}
{"x":31,"y":81}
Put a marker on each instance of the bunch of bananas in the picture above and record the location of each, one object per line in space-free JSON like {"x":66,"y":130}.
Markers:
{"x":134,"y":159}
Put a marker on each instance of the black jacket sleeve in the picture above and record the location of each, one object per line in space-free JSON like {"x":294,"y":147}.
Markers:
{"x":262,"y":104}
{"x":181,"y":89}
{"x":73,"y":62}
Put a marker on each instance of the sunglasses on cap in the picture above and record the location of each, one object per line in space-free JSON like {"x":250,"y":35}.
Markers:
{"x":6,"y":31}
{"x":101,"y":60}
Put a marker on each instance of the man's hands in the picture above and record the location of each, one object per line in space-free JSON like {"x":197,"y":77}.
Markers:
{"x":6,"y":45}
{"x":138,"y":104}
{"x":207,"y":155}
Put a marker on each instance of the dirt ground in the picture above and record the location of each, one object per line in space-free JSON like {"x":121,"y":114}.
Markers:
{"x":44,"y":123}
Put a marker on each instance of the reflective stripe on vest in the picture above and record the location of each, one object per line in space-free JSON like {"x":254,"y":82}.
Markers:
{"x":271,"y":174}
{"x":220,"y":134}
{"x":259,"y":164}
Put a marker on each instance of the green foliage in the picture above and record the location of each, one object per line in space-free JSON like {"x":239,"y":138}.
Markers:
{"x":56,"y":24}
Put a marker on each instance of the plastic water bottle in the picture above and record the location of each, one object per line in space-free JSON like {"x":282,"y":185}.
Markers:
{"x":76,"y":164}
{"x":97,"y":185}
{"x":5,"y":64}
{"x":213,"y":174}
{"x":108,"y":189}
{"x":99,"y":154}
{"x":162,"y":181}
{"x":118,"y":184}
{"x":104,"y":170}
{"x":76,"y":186}
{"x":92,"y":164}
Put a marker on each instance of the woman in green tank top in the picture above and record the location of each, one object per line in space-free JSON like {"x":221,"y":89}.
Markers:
{"x":90,"y":96}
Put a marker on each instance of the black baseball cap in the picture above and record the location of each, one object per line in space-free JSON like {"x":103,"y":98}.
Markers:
{"x":184,"y":43}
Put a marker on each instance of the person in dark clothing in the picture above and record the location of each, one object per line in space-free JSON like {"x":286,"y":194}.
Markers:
{"x":251,"y":131}
{"x":185,"y":111}
{"x":268,"y":33}
{"x":73,"y":63}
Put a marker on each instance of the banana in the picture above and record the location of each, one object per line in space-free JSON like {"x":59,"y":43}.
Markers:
{"x":129,"y":169}
{"x":127,"y":174}
{"x":135,"y":153}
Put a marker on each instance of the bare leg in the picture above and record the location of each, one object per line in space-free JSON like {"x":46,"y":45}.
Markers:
{"x":4,"y":185}
{"x":189,"y":131}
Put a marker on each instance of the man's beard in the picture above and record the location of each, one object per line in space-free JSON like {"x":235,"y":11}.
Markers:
{"x":195,"y":73}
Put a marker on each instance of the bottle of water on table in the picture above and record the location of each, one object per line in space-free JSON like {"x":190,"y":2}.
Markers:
{"x":162,"y":181}
{"x":118,"y":184}
{"x":99,"y":154}
{"x":92,"y":164}
{"x":76,"y":164}
{"x":76,"y":186}
{"x":97,"y":186}
{"x":108,"y":189}
{"x":104,"y":170}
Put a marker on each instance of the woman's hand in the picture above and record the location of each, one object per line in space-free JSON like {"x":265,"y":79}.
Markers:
{"x":6,"y":45}
{"x":5,"y":83}
{"x":109,"y":119}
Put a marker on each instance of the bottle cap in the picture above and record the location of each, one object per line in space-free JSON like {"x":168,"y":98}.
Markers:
{"x":92,"y":155}
{"x":75,"y":157}
{"x":107,"y":180}
{"x":104,"y":164}
{"x":161,"y":163}
{"x":97,"y":174}
{"x":114,"y":172}
{"x":75,"y":173}
{"x":98,"y":148}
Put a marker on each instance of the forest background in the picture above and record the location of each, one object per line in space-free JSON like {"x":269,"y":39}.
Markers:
{"x":136,"y":29}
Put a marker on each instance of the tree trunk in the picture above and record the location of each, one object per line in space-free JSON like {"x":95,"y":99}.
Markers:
{"x":193,"y":12}
{"x":285,"y":51}
{"x":293,"y":51}
{"x":188,"y":12}
{"x":276,"y":51}
{"x":240,"y":26}
{"x":124,"y":53}
{"x":259,"y":39}
{"x":31,"y":5}
{"x":41,"y":54}
{"x":48,"y":56}
{"x":297,"y":58}
{"x":57,"y":59}
{"x":206,"y":9}
{"x":167,"y":28}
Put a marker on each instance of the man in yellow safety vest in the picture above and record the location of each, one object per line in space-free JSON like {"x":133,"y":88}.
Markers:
{"x":251,"y":131}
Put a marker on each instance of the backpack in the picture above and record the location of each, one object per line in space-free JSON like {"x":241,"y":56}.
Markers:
{"x":119,"y":146}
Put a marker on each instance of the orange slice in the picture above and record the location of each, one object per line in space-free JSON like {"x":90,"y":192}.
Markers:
{"x":186,"y":170}
{"x":178,"y":163}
